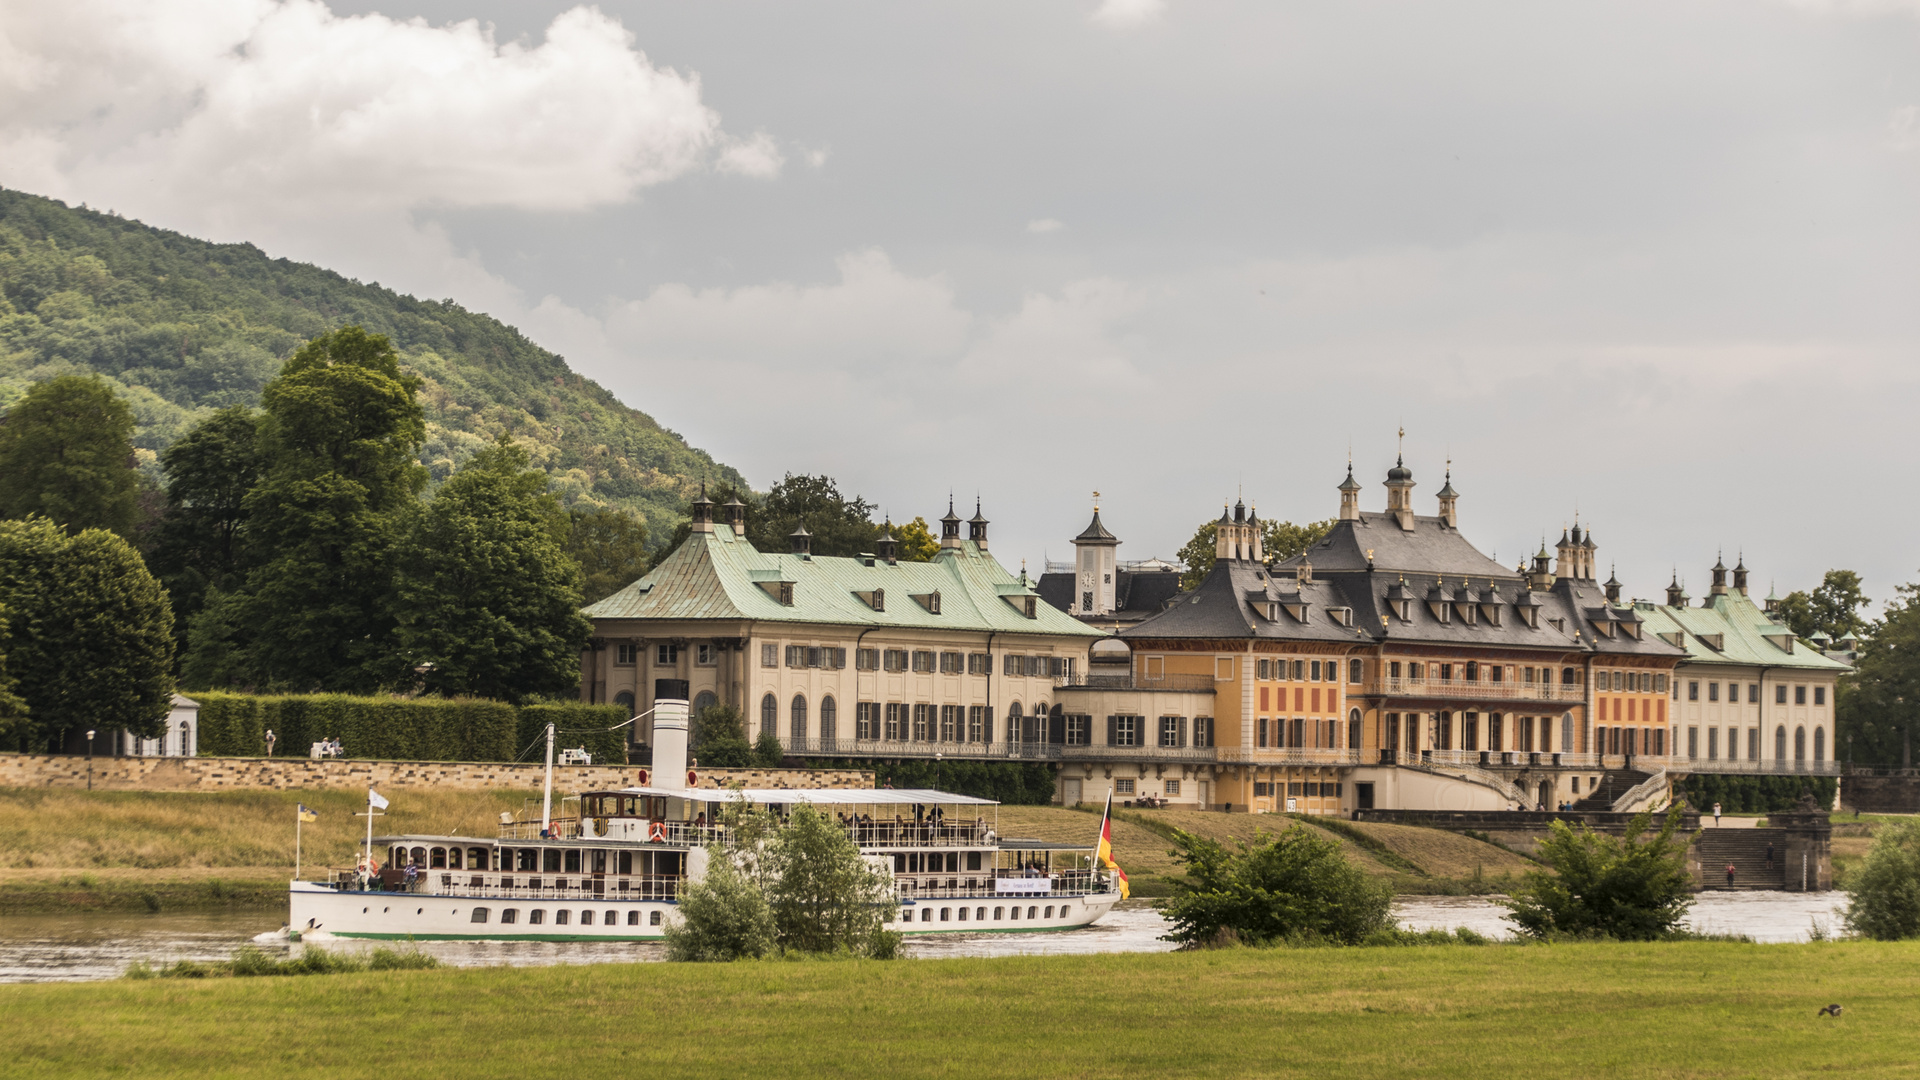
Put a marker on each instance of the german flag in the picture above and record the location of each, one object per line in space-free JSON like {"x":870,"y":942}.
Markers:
{"x":1104,"y":853}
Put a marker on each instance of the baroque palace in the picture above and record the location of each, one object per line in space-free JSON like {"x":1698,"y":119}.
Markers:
{"x":1391,"y":666}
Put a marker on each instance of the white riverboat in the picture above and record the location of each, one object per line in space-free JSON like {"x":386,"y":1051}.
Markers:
{"x":612,"y":869}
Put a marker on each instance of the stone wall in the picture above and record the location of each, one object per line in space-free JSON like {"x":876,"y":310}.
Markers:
{"x":228,"y":774}
{"x":1880,"y":794}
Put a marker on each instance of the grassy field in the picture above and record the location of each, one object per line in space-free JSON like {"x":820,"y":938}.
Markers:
{"x":1671,"y":1010}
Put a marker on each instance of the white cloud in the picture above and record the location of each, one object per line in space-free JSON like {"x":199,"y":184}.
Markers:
{"x":1127,"y":14}
{"x":1045,"y":225}
{"x":757,"y":157}
{"x":818,"y":158}
{"x":322,"y":136}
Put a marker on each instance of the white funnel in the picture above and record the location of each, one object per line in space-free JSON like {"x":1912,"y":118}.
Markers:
{"x":670,"y":733}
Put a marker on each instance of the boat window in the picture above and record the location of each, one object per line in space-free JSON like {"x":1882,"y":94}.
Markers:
{"x":999,"y":913}
{"x":1063,"y":911}
{"x":586,"y":918}
{"x":1033,"y":913}
{"x":537,"y":916}
{"x":633,"y":917}
{"x":653,"y":918}
{"x":551,"y":858}
{"x":926,"y":914}
{"x":453,"y":859}
{"x":973,"y":860}
{"x":625,"y":863}
{"x":573,"y":861}
{"x":632,"y":806}
{"x":612,"y":919}
{"x":963,"y":914}
{"x":479,"y":858}
{"x":479,"y":915}
{"x":419,"y":855}
{"x":980,"y":914}
{"x":1049,"y":911}
{"x":396,"y":856}
{"x":510,"y":915}
{"x":906,"y":914}
{"x":599,"y":862}
{"x":525,"y":859}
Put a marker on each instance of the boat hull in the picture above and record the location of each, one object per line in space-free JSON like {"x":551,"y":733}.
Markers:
{"x":318,"y":912}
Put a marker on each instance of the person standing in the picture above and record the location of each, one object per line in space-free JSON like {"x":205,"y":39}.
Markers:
{"x":1769,"y":857}
{"x":1716,"y":815}
{"x":1729,"y":875}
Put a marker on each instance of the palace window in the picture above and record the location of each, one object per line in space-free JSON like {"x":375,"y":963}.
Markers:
{"x":866,"y":720}
{"x":626,"y":654}
{"x":1123,"y":730}
{"x":979,"y":663}
{"x":769,"y":715}
{"x":1356,"y":670}
{"x":1123,"y":786}
{"x":799,"y":711}
{"x":1314,"y":669}
{"x":1713,"y":691}
{"x":951,"y":663}
{"x":866,"y":660}
{"x":769,"y":654}
{"x":1693,"y":690}
{"x":1799,"y":695}
{"x":1202,"y":731}
{"x":922,"y":661}
{"x":949,"y":722}
{"x":1172,"y":787}
{"x":1079,"y":729}
{"x":1473,"y":671}
{"x":922,"y":715}
{"x":896,"y":660}
{"x":1780,"y":694}
{"x":1173,"y":731}
{"x":829,"y":718}
{"x":704,"y":655}
{"x":666,"y":654}
{"x":1014,"y":716}
{"x":896,"y":721}
{"x":1299,"y":670}
{"x":1780,"y":743}
{"x":979,"y":724}
{"x":1819,"y":697}
{"x":1570,"y":676}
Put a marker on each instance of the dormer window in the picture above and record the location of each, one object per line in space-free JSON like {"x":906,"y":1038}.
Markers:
{"x":931,"y":601}
{"x":876,"y":599}
{"x":1405,"y":610}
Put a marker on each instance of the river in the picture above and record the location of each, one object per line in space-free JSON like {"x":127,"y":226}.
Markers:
{"x":74,"y":948}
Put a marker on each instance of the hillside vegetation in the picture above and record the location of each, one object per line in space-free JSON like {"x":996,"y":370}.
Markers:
{"x":182,"y":327}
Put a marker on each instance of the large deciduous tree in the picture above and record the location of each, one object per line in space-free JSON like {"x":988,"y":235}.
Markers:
{"x":199,"y":544}
{"x":1879,"y":703}
{"x":840,"y":525}
{"x":489,"y":603}
{"x":338,"y":487}
{"x":1834,"y":609}
{"x":89,"y":634}
{"x":66,"y":452}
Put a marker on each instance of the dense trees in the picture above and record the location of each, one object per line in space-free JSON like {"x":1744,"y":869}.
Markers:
{"x":1878,"y":704}
{"x":89,"y":635}
{"x":66,"y":452}
{"x":1884,"y":889}
{"x":487,"y":598}
{"x":1282,"y":539}
{"x":198,"y":545}
{"x":610,"y":545}
{"x":181,"y":327}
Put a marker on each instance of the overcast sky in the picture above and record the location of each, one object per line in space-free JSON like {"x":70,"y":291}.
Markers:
{"x":1656,"y":262}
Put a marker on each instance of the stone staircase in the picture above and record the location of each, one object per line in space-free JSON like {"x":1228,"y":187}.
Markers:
{"x":1613,"y":785}
{"x":1746,"y":849}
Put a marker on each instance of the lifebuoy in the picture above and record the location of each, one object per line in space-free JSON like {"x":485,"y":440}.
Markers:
{"x":656,"y":833}
{"x":693,"y":778}
{"x":643,"y":778}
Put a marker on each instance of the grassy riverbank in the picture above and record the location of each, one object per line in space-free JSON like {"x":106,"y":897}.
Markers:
{"x":147,"y":851}
{"x":1693,"y":1009}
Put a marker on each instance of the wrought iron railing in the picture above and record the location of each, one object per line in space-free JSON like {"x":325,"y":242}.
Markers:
{"x":1771,"y":767}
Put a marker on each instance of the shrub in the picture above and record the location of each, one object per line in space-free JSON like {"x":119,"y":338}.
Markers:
{"x":724,"y":916}
{"x":719,"y":739}
{"x":1885,"y":887}
{"x":1295,"y":887}
{"x":1607,"y":886}
{"x":767,"y":751}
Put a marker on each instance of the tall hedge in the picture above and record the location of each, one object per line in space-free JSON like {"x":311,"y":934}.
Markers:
{"x":574,"y":726}
{"x":1738,"y":794}
{"x":417,"y":729}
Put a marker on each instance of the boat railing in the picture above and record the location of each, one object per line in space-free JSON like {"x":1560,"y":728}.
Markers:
{"x":999,"y":883}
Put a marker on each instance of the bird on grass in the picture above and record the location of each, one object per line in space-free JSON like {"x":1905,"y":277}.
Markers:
{"x":1831,"y":1010}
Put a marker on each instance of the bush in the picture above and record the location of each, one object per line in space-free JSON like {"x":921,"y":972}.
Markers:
{"x":719,"y":739}
{"x":767,"y":751}
{"x":1297,"y":887}
{"x":1885,"y":887}
{"x":724,"y":916}
{"x":250,"y":961}
{"x":1607,"y":886}
{"x":1013,"y":783}
{"x":1756,"y":794}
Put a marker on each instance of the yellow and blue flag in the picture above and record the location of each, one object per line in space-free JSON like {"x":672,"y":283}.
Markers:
{"x":306,"y":814}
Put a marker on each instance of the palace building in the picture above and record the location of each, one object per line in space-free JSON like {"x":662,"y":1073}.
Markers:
{"x":1750,"y":697}
{"x":1393,"y":665}
{"x":843,"y":657}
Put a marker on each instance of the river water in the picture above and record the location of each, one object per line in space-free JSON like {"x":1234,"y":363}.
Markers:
{"x":73,"y":948}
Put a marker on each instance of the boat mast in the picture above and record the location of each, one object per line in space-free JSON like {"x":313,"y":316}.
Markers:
{"x":546,"y":800}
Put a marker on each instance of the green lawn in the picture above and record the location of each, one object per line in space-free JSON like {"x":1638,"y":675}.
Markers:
{"x":1683,"y":1009}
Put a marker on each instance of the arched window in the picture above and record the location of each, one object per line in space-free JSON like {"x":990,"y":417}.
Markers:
{"x":1014,"y":726}
{"x":1819,"y":744}
{"x":1780,"y":743}
{"x":799,"y":711}
{"x":624,"y":699}
{"x":769,"y":716}
{"x":1353,"y":730}
{"x":1799,"y":744}
{"x":1036,"y":724}
{"x":829,"y":714}
{"x":704,"y":700}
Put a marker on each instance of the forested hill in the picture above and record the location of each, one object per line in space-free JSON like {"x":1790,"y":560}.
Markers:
{"x":183,"y":327}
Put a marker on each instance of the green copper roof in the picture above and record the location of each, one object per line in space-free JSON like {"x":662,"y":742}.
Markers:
{"x":719,"y":576}
{"x":1732,"y":629}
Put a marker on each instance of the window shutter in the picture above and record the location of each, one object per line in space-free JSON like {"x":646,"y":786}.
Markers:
{"x":1113,"y":730}
{"x":1180,"y":738}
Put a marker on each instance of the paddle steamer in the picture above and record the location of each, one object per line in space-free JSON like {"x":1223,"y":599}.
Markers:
{"x":612,"y":870}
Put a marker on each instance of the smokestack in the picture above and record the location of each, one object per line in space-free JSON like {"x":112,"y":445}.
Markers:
{"x":670,"y":733}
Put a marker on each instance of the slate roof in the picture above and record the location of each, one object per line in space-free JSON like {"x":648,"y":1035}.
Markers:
{"x":1096,"y":533}
{"x":1433,"y":547}
{"x":1746,"y":635}
{"x":1136,"y":593}
{"x":720,"y":576}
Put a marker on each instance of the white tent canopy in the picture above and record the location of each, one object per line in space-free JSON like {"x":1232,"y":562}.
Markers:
{"x":818,"y":796}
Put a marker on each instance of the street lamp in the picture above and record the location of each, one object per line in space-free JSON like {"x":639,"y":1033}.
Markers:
{"x":89,"y":759}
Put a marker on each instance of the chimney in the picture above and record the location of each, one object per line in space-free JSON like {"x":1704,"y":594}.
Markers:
{"x":670,"y":733}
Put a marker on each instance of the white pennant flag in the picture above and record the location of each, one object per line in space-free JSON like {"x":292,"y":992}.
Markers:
{"x":375,"y":800}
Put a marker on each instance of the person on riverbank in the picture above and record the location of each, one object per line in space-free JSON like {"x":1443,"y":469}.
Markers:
{"x":1769,"y":857}
{"x":1716,"y":815}
{"x":1729,"y":875}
